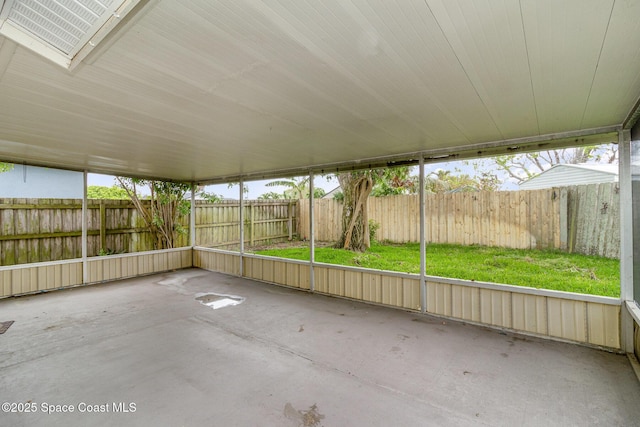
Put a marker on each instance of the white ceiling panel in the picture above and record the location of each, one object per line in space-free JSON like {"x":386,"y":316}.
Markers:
{"x":564,"y":41}
{"x":201,"y":90}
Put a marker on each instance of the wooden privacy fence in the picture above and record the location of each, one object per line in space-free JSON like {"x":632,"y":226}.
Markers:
{"x":583,"y":219}
{"x":217,"y":224}
{"x":36,"y":230}
{"x":593,"y":219}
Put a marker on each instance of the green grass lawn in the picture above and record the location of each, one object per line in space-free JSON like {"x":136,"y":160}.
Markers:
{"x":537,"y":269}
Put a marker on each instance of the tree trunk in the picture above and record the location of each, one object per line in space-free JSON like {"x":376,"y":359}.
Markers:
{"x":356,"y":187}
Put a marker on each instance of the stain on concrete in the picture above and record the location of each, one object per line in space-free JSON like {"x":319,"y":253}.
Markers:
{"x":305,"y":418}
{"x":5,"y":325}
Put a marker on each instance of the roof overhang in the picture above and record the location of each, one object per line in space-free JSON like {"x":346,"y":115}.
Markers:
{"x":214,"y":91}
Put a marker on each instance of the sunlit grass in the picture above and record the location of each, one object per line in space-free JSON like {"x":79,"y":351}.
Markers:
{"x":534,"y":268}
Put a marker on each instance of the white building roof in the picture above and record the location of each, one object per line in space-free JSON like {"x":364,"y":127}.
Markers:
{"x":569,"y":174}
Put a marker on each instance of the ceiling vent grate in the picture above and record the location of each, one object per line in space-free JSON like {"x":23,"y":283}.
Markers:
{"x":64,"y":31}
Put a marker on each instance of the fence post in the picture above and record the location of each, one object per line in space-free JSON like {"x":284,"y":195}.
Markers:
{"x":85,"y":224}
{"x":290,"y":223}
{"x":251,"y":223}
{"x":103,"y":226}
{"x":423,"y":245}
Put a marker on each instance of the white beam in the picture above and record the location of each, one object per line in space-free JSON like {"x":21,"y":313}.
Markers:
{"x":423,"y":246}
{"x":626,"y":239}
{"x":312,"y":240}
{"x":85,"y":270}
{"x":241,"y":219}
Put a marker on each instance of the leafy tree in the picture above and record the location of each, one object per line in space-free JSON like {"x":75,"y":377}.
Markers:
{"x":209,"y":197}
{"x":101,"y":192}
{"x":356,"y":187}
{"x":441,"y":181}
{"x":5,"y":167}
{"x":166,"y":203}
{"x":271,"y":195}
{"x":318,"y":193}
{"x":395,"y":181}
{"x":297,"y":188}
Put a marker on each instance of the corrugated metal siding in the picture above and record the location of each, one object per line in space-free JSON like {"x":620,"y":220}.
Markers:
{"x":108,"y":268}
{"x":280,"y":271}
{"x":38,"y":277}
{"x":636,"y":339}
{"x":439,"y":298}
{"x":567,"y":319}
{"x":353,"y":287}
{"x":495,"y":308}
{"x":379,"y":288}
{"x":530,"y":313}
{"x":372,"y":287}
{"x":465,"y":303}
{"x":223,"y":262}
{"x":603,"y":321}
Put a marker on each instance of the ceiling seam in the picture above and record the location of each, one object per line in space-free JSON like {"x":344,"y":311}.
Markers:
{"x":595,"y":72}
{"x":7,"y":49}
{"x":464,"y":70}
{"x":526,"y":47}
{"x":391,"y":53}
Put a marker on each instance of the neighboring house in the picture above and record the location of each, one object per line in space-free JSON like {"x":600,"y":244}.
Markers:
{"x":41,"y":183}
{"x":331,"y":194}
{"x":563,"y":175}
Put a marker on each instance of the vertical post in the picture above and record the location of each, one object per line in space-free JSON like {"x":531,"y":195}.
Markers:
{"x":626,"y":238}
{"x":290,"y":214}
{"x":192,"y":217}
{"x":241,"y":214}
{"x":192,"y":224}
{"x":312,"y":240}
{"x":423,"y":246}
{"x":103,"y":226}
{"x":85,"y":222}
{"x":251,"y":223}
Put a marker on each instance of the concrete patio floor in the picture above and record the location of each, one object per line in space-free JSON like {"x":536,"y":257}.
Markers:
{"x":287,"y":358}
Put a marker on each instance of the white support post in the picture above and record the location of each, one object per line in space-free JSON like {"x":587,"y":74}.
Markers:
{"x":192,"y":223}
{"x":423,"y":246}
{"x":312,"y":240}
{"x":626,"y":239}
{"x":192,"y":217}
{"x":85,"y":222}
{"x":241,"y":273}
